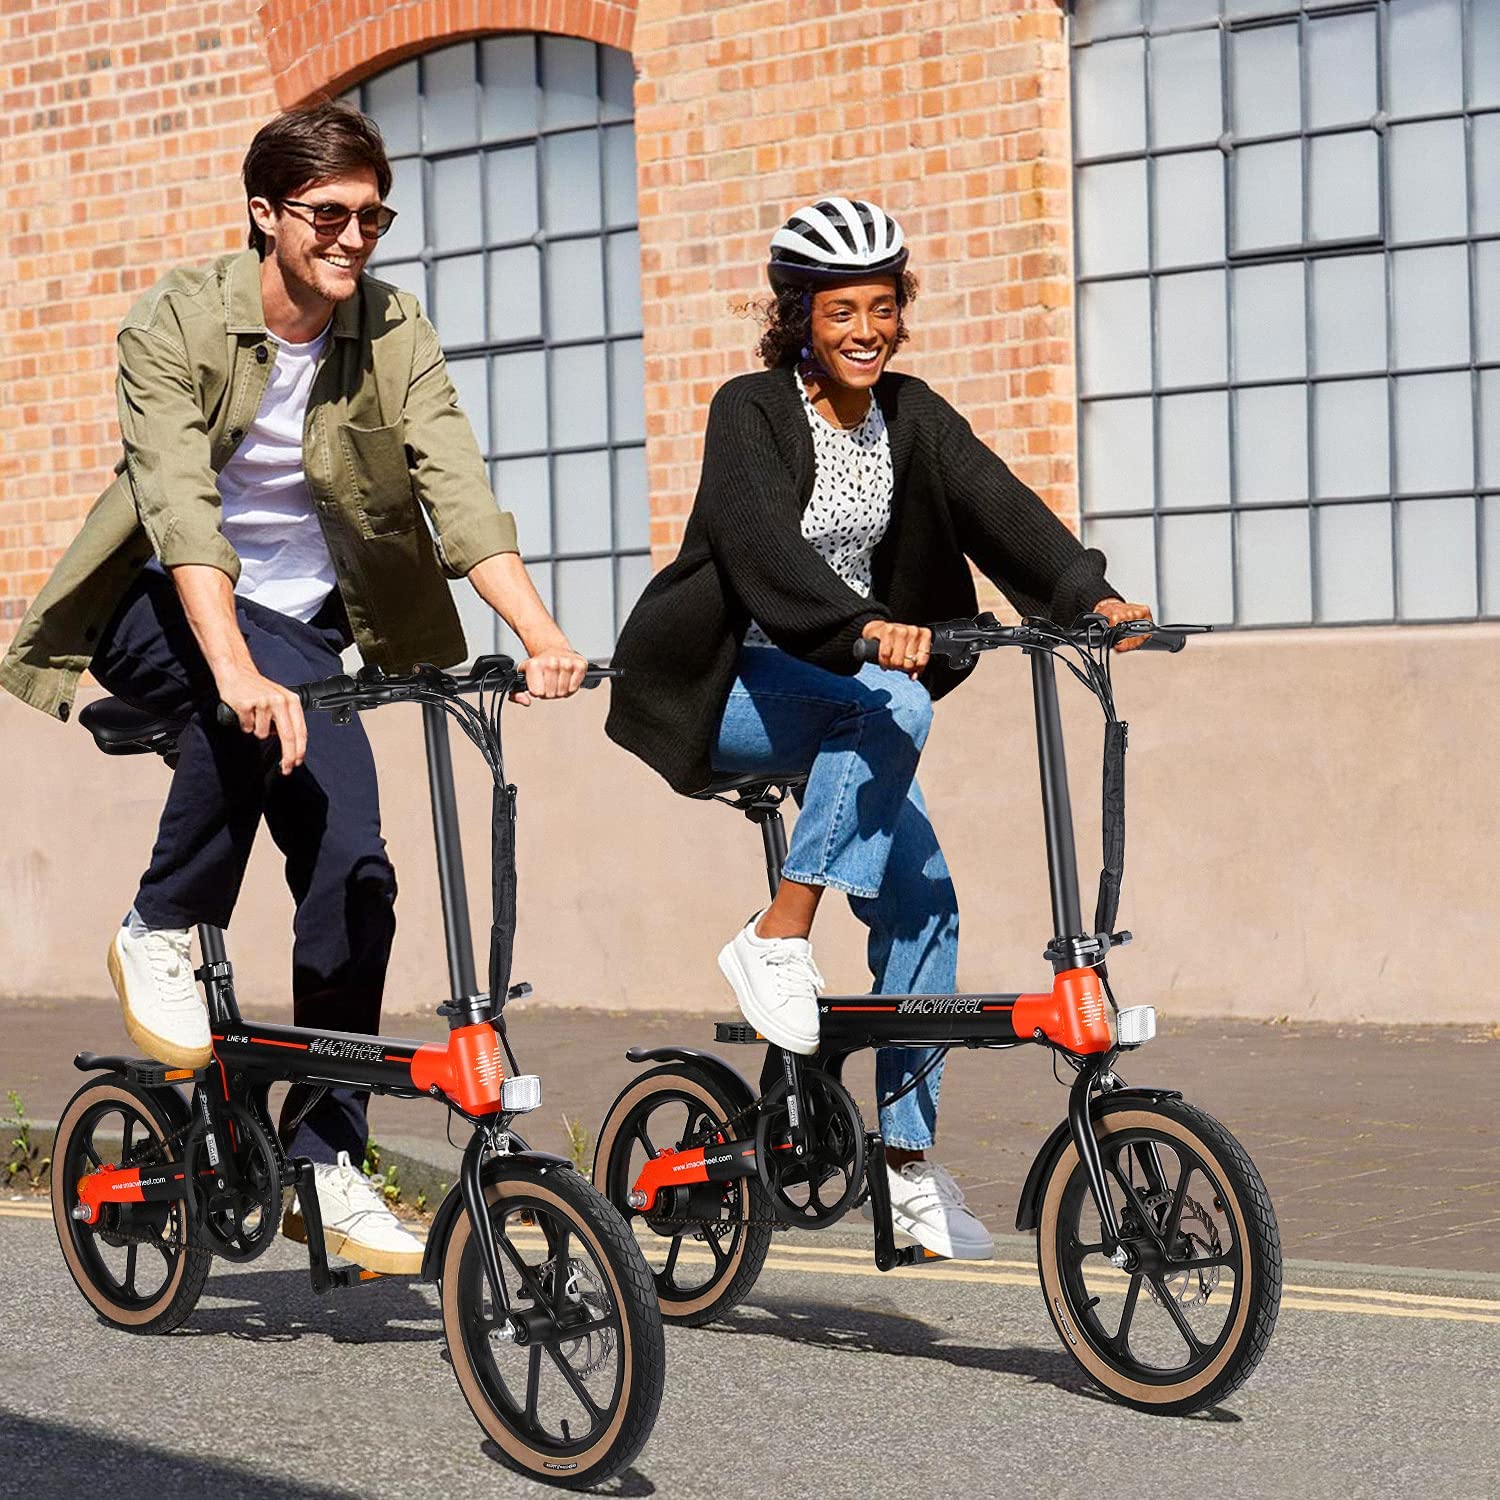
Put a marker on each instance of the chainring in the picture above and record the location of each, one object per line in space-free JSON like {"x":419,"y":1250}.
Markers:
{"x":816,"y":1189}
{"x":237,"y":1222}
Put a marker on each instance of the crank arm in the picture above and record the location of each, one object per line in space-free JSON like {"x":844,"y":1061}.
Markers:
{"x":888,"y":1254}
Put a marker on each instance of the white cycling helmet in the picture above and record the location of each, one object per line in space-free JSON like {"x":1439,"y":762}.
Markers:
{"x":835,"y":239}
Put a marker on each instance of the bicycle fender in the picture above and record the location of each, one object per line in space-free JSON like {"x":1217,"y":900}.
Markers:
{"x":1028,"y":1210}
{"x":541,"y":1162}
{"x":145,"y":1076}
{"x":734,"y":1082}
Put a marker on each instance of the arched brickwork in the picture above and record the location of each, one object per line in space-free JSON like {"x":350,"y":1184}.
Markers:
{"x":329,"y":44}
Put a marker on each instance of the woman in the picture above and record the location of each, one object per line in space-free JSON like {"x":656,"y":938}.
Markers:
{"x":837,"y":502}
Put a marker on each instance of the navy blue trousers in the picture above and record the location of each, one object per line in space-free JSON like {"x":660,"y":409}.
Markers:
{"x":324,"y":817}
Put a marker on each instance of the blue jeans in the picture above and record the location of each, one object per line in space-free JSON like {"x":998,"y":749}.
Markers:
{"x":863,"y":830}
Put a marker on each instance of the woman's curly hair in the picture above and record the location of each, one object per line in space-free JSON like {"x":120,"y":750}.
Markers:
{"x":788,"y":319}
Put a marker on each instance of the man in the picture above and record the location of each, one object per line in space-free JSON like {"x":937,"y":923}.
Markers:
{"x":283,"y":416}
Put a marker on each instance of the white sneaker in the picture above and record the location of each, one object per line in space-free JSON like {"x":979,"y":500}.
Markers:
{"x":152,"y":970}
{"x":777,"y":984}
{"x":357,"y":1222}
{"x":928,"y":1205}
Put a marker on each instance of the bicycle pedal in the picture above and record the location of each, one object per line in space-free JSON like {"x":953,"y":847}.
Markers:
{"x":145,"y":1073}
{"x":739,"y":1033}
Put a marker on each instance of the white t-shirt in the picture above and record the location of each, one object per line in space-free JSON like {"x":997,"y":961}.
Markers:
{"x":269,"y":517}
{"x":850,"y":506}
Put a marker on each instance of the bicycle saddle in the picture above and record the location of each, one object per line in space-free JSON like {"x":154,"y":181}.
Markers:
{"x":119,"y":728}
{"x":750,"y":785}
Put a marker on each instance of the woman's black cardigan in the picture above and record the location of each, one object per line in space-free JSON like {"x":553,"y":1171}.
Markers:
{"x":744,"y":557}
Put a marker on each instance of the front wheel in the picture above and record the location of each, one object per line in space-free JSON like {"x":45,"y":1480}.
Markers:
{"x":575,"y":1401}
{"x":1188,"y":1319}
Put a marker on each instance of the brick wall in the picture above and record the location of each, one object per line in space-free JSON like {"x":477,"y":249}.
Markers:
{"x":122,"y":125}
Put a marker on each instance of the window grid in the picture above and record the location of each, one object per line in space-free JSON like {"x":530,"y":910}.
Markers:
{"x":1396,"y":495}
{"x":549,"y":565}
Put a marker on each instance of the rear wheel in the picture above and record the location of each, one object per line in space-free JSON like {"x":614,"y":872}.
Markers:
{"x":705,"y":1242}
{"x":1187,"y":1321}
{"x":573,"y":1398}
{"x":137,"y":1265}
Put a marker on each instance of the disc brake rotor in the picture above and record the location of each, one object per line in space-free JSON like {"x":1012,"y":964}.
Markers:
{"x":584,"y":1290}
{"x":1198,"y":1240}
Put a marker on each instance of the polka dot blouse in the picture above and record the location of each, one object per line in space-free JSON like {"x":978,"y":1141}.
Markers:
{"x":850,"y":506}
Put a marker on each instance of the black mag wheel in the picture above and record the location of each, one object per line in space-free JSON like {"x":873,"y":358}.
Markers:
{"x":572,"y":1401}
{"x":1187,"y":1320}
{"x":138,"y":1266}
{"x":704,"y":1243}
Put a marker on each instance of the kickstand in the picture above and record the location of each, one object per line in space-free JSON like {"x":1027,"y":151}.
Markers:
{"x":887,"y":1254}
{"x":325,"y":1278}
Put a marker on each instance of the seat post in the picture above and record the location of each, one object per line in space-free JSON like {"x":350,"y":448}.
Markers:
{"x":217,"y":976}
{"x":773,"y":836}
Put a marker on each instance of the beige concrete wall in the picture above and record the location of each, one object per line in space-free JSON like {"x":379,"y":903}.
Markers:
{"x":1313,"y":820}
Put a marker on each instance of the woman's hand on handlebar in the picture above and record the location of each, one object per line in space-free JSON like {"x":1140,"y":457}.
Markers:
{"x":903,"y":648}
{"x":553,"y":671}
{"x":265,"y":708}
{"x":1118,"y":612}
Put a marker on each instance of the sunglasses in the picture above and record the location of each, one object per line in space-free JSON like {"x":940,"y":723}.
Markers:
{"x":330,"y":218}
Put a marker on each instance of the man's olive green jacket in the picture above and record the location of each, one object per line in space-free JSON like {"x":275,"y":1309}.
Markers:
{"x":383,"y":432}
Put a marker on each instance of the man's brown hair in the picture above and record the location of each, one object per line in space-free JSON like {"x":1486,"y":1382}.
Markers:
{"x":312,"y":144}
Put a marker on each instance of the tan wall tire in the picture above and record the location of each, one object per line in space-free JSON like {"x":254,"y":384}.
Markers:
{"x":569,"y":1198}
{"x":731,"y":1282}
{"x":1257,"y":1287}
{"x":179,"y":1293}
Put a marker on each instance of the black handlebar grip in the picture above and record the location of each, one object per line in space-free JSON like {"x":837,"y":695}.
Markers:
{"x":866,"y":650}
{"x":226,"y":717}
{"x":1163,"y":640}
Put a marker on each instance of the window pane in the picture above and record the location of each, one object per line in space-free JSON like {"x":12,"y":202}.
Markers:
{"x":1489,"y":433}
{"x":510,"y":94}
{"x":1487,"y":283}
{"x":404,"y":237}
{"x":579,"y":398}
{"x":623,"y":269}
{"x":1425,"y":57}
{"x":1343,"y":187}
{"x":1190,"y":324}
{"x":569,"y":82}
{"x":1429,"y":196}
{"x":1186,"y":103}
{"x":1118,"y":470}
{"x":456,"y":215}
{"x":619,"y":175}
{"x":1270,"y":451}
{"x":521,"y":486}
{"x":519,"y":392}
{"x":1267,"y":89}
{"x":1350,"y":443}
{"x":1114,"y":337}
{"x":1109,"y":94}
{"x":1491,"y":504}
{"x":1341,"y":70}
{"x":1486,"y":149}
{"x":1430,"y":295}
{"x":586,"y":604}
{"x":1197,"y":585}
{"x":476,"y":618}
{"x":1238,"y":10}
{"x":1112,"y":218}
{"x":1348,"y":314}
{"x":1354,"y":562}
{"x":634,"y":575}
{"x":1484,"y":55}
{"x":410,"y":276}
{"x":515,"y":294}
{"x":632,"y":507}
{"x":627,"y":391}
{"x":1195,"y":449}
{"x":469,"y":384}
{"x":458,"y":299}
{"x":510,"y":189}
{"x":575,"y":290}
{"x":1166,"y":13}
{"x":1434,"y":433}
{"x":1275,"y":567}
{"x":1189,"y":208}
{"x":570,"y":181}
{"x":580,"y":482}
{"x":392,"y":99}
{"x":1267,"y":195}
{"x":617,"y":83}
{"x":1130,"y":548}
{"x":1096,"y":18}
{"x":1436,"y":552}
{"x":450,"y":98}
{"x":1270,"y":331}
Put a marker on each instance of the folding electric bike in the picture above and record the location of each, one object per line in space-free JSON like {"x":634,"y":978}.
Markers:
{"x":1136,"y":1192}
{"x":547,"y":1305}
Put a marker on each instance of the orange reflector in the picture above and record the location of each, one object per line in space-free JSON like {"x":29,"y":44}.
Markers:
{"x":177,"y":1073}
{"x":370,"y":1275}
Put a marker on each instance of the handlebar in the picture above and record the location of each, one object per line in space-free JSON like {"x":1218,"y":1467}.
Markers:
{"x":961,"y":639}
{"x":371,"y":688}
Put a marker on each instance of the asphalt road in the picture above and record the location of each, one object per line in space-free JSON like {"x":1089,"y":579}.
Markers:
{"x":832,"y":1380}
